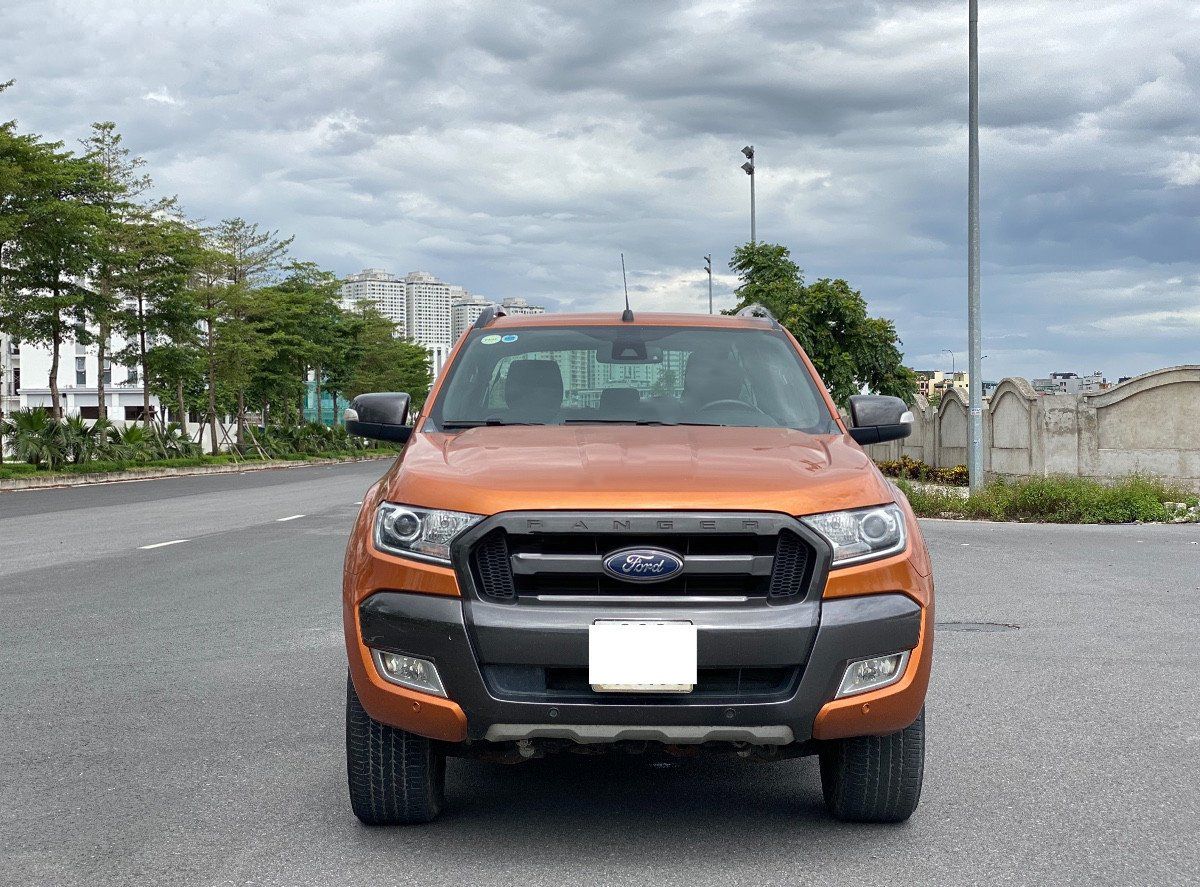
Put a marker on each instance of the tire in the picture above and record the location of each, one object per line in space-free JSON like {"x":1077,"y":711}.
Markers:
{"x":875,"y":778}
{"x":396,"y":777}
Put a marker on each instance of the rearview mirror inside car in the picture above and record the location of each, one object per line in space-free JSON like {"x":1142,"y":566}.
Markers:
{"x":379,"y":416}
{"x":877,"y":418}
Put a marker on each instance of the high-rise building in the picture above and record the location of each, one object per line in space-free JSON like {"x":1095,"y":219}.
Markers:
{"x":466,"y":311}
{"x":426,"y":310}
{"x":520,"y":306}
{"x":429,"y":301}
{"x":386,"y":291}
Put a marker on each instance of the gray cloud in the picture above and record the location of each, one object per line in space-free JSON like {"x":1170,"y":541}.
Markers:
{"x":517,"y":148}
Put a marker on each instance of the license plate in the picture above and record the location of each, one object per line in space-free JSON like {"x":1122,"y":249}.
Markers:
{"x":630,"y":655}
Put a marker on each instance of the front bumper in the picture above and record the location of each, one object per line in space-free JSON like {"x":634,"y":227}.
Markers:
{"x":478,"y":662}
{"x":503,"y":666}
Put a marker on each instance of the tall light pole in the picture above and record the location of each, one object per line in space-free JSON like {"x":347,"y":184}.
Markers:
{"x":708,"y":268}
{"x":974,"y":337}
{"x":748,"y":166}
{"x":951,"y":353}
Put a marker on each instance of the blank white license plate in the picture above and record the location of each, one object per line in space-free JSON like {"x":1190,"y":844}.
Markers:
{"x":630,"y":655}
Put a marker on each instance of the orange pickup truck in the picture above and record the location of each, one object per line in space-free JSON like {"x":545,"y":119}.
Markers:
{"x":649,"y":535}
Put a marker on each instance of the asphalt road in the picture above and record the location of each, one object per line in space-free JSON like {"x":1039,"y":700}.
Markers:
{"x":174,"y":715}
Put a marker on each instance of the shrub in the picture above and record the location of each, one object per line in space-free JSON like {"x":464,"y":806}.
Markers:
{"x":914,"y":469}
{"x":1066,"y":500}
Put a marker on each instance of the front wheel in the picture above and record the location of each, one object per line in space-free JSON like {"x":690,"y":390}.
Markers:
{"x":875,"y":778}
{"x":396,"y":777}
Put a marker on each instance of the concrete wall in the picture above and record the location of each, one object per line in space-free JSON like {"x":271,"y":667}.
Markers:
{"x":1148,"y":425}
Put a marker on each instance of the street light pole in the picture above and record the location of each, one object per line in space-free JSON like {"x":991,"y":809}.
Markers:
{"x":951,"y":353}
{"x":708,"y":268}
{"x":974,"y":337}
{"x":748,"y":166}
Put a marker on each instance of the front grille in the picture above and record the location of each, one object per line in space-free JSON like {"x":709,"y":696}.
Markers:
{"x":536,"y":683}
{"x":772,"y":566}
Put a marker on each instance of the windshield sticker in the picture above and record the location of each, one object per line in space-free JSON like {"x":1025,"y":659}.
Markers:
{"x":509,"y":339}
{"x":489,"y":340}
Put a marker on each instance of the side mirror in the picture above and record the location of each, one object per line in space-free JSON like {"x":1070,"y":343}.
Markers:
{"x":878,"y":419}
{"x":382,"y":416}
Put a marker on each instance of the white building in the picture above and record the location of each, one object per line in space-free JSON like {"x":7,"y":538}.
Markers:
{"x":467,"y":311}
{"x":26,"y":380}
{"x":464,"y":313}
{"x":429,"y":301}
{"x":425,"y":309}
{"x":386,"y":291}
{"x":1071,"y":383}
{"x":10,"y":375}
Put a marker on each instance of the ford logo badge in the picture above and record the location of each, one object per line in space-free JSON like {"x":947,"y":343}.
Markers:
{"x":643,"y":565}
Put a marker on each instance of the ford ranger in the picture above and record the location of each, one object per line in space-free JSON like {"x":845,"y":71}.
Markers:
{"x":649,"y":535}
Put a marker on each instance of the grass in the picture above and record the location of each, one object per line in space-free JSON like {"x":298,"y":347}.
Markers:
{"x":1055,"y":500}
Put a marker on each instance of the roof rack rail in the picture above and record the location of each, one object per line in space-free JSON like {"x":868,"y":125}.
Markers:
{"x":759,"y":311}
{"x":488,"y":314}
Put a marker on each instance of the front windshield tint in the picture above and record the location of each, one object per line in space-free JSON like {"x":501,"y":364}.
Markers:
{"x":631,"y":375}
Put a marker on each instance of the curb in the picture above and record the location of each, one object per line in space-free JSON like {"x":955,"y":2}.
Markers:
{"x":135,"y":474}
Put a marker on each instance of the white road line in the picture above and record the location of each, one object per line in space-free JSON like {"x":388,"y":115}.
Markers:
{"x":359,"y":502}
{"x":280,"y":520}
{"x":161,"y":544}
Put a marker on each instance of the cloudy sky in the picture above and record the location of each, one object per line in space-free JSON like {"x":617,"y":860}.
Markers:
{"x":517,"y":148}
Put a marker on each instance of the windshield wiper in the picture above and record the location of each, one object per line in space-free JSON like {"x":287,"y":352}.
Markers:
{"x":480,"y":423}
{"x":639,"y":422}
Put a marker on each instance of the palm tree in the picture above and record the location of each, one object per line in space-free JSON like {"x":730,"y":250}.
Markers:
{"x":132,"y":444}
{"x":36,"y":438}
{"x":83,"y":442}
{"x":176,"y":444}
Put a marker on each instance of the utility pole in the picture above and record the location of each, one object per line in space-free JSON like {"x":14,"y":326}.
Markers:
{"x":953,"y":372}
{"x":974,"y":337}
{"x":748,"y":166}
{"x":708,"y":268}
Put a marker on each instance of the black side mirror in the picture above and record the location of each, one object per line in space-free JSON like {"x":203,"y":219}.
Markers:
{"x":877,"y":418}
{"x":382,"y":416}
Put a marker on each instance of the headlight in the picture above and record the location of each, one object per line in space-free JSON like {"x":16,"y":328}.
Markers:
{"x":424,"y":533}
{"x":863,"y":534}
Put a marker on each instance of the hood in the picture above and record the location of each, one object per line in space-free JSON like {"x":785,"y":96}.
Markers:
{"x":627,"y":467}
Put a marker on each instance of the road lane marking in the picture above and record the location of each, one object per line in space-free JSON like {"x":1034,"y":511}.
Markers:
{"x":280,"y":520}
{"x":161,"y":544}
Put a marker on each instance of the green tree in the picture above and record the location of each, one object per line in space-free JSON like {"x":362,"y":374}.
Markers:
{"x":851,"y":350}
{"x":53,"y":220}
{"x":124,"y":185}
{"x":210,"y":290}
{"x":296,"y":321}
{"x":377,"y":361}
{"x":160,"y":255}
{"x":250,"y":259}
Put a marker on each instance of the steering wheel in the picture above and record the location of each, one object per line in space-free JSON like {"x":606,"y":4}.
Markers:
{"x":729,"y":403}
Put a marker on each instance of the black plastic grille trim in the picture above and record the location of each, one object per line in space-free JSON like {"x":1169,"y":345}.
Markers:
{"x":790,"y":574}
{"x":559,"y":684}
{"x":493,"y":570}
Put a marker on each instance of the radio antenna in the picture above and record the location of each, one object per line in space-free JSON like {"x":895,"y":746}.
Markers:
{"x":627,"y":314}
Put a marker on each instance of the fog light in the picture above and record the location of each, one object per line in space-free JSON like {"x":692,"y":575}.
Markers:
{"x":409,"y":671}
{"x":871,"y":674}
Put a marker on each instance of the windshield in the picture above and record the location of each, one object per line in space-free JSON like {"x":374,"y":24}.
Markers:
{"x":631,"y":375}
